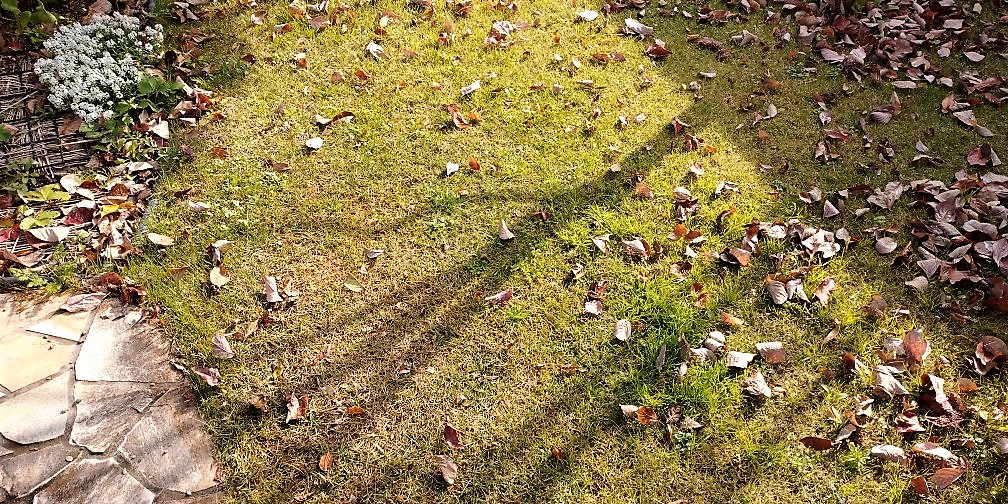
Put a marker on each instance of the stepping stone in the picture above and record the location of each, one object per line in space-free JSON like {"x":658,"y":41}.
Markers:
{"x":170,"y":447}
{"x":36,"y":415}
{"x":121,"y":350}
{"x":69,"y":326}
{"x":19,"y":312}
{"x":22,"y":474}
{"x":26,"y":358}
{"x":106,"y":411}
{"x":90,"y":481}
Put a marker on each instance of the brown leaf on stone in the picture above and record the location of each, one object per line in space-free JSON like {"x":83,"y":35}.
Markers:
{"x":817,"y":443}
{"x":451,"y":436}
{"x":83,"y":302}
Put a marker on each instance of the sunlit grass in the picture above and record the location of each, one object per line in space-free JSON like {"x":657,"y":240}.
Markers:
{"x":419,"y":346}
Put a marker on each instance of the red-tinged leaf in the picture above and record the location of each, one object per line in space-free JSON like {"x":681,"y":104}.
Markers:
{"x":646,"y":415}
{"x":457,"y":117}
{"x":772,"y":351}
{"x":356,"y":410}
{"x":451,"y":436}
{"x":557,"y":453}
{"x":448,"y":468}
{"x":945,"y":476}
{"x":474,"y":163}
{"x":916,"y":347}
{"x":919,"y":485}
{"x":297,"y":408}
{"x":501,"y":297}
{"x":219,"y":152}
{"x":817,"y":443}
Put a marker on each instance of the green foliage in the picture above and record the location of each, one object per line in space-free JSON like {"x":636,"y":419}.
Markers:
{"x":117,"y":135}
{"x":23,"y":19}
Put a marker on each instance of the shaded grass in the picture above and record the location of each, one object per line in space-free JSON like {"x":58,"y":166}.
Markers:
{"x":418,"y":347}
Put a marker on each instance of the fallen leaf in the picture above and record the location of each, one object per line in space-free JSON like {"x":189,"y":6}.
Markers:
{"x":622,"y":330}
{"x":451,"y":436}
{"x":160,"y":240}
{"x":352,"y":284}
{"x":890,"y":453}
{"x":53,"y":234}
{"x":219,"y":276}
{"x":501,"y":297}
{"x":211,"y":376}
{"x":731,"y":320}
{"x":772,"y":351}
{"x":885,"y":245}
{"x":816,"y":443}
{"x":297,"y":408}
{"x":756,"y":386}
{"x":503,"y":232}
{"x":944,"y":477}
{"x":83,"y":302}
{"x":449,"y":471}
{"x":271,"y":291}
{"x":646,"y":415}
{"x":325,"y":462}
{"x":220,"y":347}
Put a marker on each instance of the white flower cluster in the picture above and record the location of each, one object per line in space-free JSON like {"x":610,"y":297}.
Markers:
{"x":96,"y":65}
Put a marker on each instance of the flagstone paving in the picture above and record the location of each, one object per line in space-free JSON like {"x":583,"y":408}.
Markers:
{"x":91,"y":410}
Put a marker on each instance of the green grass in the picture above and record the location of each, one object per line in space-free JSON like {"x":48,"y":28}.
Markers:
{"x":378,"y":183}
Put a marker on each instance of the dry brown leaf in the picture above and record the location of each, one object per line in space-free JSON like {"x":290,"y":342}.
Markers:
{"x":325,"y":462}
{"x":451,"y":436}
{"x":447,"y":467}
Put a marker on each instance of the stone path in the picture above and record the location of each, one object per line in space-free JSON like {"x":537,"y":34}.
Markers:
{"x":91,"y":410}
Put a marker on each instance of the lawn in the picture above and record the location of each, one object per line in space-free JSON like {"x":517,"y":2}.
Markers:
{"x":563,"y":147}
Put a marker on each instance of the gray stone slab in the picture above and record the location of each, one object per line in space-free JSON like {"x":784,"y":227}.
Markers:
{"x":22,"y":474}
{"x":91,"y":481}
{"x":106,"y":411}
{"x":68,"y":326}
{"x":170,"y":448}
{"x":26,"y":358}
{"x":120,"y":350}
{"x":37,"y":415}
{"x":19,"y":312}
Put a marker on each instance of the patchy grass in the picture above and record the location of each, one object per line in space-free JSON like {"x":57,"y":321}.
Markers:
{"x":419,"y":346}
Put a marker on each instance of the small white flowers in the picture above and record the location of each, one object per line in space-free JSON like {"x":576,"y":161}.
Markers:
{"x":98,"y":64}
